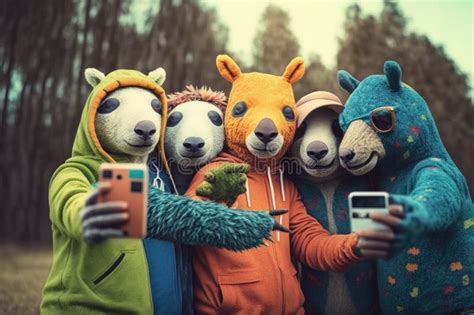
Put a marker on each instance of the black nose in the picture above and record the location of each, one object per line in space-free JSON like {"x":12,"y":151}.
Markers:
{"x":193,"y":144}
{"x":317,"y":150}
{"x":266,"y":130}
{"x":346,"y":155}
{"x":145,"y":129}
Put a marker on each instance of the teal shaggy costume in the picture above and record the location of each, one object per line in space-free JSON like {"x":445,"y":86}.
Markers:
{"x":433,"y":271}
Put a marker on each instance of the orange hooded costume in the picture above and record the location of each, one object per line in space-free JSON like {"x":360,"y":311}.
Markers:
{"x":261,"y":112}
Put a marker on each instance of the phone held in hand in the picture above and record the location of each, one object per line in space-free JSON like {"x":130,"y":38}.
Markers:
{"x":361,"y":204}
{"x":129,"y":183}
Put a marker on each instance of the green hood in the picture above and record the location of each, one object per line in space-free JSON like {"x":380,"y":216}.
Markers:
{"x":111,"y":277}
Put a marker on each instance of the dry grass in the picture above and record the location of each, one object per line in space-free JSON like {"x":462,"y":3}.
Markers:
{"x":23,"y":272}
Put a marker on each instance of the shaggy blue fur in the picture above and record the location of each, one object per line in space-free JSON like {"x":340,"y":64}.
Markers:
{"x":191,"y":222}
{"x":434,"y":270}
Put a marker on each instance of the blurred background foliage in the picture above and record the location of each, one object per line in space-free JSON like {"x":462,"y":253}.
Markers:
{"x":45,"y":46}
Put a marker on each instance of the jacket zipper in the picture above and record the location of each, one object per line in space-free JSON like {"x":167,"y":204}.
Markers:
{"x":109,"y":270}
{"x":272,"y":244}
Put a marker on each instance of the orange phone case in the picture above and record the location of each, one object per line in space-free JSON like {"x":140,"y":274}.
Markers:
{"x":129,"y":183}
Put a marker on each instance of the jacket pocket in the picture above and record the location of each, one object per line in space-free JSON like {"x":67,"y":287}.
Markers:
{"x":294,"y":298}
{"x":241,"y":292}
{"x":101,"y":277}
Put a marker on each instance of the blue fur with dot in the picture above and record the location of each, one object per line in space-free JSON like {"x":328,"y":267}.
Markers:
{"x":432,"y":270}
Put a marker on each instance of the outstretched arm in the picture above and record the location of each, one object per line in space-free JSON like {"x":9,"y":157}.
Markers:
{"x":68,"y":191}
{"x":314,"y":246}
{"x":192,"y":222}
{"x":438,"y":192}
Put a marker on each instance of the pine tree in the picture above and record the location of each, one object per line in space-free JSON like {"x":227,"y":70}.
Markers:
{"x":275,"y":44}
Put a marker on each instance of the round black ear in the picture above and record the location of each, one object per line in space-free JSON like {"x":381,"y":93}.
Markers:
{"x":393,"y":72}
{"x":347,"y":81}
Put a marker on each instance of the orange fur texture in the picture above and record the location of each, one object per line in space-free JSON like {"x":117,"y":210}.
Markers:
{"x":265,"y":96}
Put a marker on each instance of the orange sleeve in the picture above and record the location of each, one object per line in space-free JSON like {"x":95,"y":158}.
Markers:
{"x":315,"y":246}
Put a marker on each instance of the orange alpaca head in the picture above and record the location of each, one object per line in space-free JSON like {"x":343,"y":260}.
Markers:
{"x":260,"y":119}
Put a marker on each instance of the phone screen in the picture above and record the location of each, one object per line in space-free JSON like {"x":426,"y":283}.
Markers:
{"x":362,"y":204}
{"x":368,"y":202}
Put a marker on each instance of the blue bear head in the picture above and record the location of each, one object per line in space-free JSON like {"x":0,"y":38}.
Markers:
{"x":386,"y":123}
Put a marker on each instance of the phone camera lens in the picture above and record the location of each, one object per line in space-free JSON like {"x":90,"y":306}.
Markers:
{"x":119,"y":177}
{"x":107,"y":174}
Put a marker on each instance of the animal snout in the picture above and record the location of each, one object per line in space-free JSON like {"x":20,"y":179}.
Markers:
{"x":266,"y":130}
{"x":145,"y":129}
{"x":317,"y":150}
{"x":346,"y":155}
{"x":194,"y":144}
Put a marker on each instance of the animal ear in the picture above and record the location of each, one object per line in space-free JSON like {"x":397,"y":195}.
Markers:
{"x":294,"y":71}
{"x":158,"y":75}
{"x":393,"y":72}
{"x":93,"y":76}
{"x":228,"y":68}
{"x":347,"y":81}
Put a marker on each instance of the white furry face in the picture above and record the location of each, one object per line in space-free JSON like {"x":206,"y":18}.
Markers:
{"x":261,"y":149}
{"x":361,"y":148}
{"x":128,"y":122}
{"x":194,"y":133}
{"x":316,"y":144}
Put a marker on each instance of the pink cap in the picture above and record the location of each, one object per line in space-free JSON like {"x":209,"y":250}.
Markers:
{"x":315,"y":100}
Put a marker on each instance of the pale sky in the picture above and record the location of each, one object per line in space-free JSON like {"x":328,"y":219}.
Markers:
{"x":318,"y":23}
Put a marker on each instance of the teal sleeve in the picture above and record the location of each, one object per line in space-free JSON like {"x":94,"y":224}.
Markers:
{"x":181,"y":219}
{"x":435,"y":200}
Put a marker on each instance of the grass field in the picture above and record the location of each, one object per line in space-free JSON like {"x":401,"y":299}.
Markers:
{"x":23,"y":271}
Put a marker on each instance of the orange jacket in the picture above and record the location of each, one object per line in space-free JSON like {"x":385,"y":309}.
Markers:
{"x":264,"y":280}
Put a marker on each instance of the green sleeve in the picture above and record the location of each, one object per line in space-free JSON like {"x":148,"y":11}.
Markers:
{"x":68,"y":190}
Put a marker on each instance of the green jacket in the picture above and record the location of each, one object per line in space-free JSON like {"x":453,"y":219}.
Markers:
{"x":111,"y":277}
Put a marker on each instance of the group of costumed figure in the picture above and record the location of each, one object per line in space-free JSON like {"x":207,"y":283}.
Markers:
{"x":248,"y":201}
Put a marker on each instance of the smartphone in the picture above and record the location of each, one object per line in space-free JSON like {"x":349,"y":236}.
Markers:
{"x":361,"y":204}
{"x":129,"y":183}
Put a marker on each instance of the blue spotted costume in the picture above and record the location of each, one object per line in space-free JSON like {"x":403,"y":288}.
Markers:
{"x":433,"y":270}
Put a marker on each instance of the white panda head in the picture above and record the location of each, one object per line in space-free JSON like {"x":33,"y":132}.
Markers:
{"x":195,"y":130}
{"x":194,"y":133}
{"x":128,"y":120}
{"x":317,"y":140}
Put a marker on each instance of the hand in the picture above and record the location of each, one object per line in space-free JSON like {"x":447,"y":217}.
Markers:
{"x":377,"y":243}
{"x":102,"y":220}
{"x":224,"y":183}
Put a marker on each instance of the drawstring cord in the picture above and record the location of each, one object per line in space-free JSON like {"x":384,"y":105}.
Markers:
{"x":272,"y":191}
{"x":282,"y":187}
{"x":158,"y":182}
{"x":247,"y":193}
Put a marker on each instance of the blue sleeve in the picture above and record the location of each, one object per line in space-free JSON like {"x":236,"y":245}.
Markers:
{"x":191,"y":222}
{"x":437,"y":194}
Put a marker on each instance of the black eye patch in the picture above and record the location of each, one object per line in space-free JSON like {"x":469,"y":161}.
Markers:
{"x":288,"y":113}
{"x":108,"y":106}
{"x":174,"y":119}
{"x":215,"y":118}
{"x":239,"y":109}
{"x":156,"y":105}
{"x":336,"y":129}
{"x":300,"y":131}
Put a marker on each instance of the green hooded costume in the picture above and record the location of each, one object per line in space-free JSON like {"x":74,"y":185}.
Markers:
{"x":76,"y":281}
